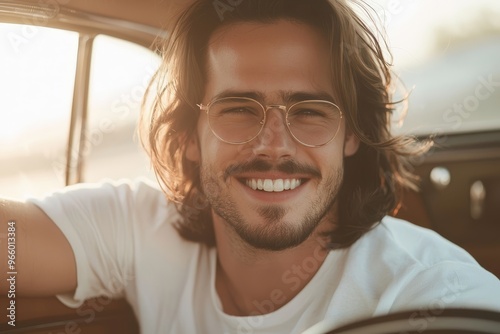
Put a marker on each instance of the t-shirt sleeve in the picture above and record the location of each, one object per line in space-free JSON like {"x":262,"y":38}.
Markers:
{"x":450,"y":284}
{"x":430,"y":272}
{"x":98,"y":221}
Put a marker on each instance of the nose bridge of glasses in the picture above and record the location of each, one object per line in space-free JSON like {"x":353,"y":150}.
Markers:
{"x":269,"y":118}
{"x":275,"y":126}
{"x":275,"y":106}
{"x":274,"y":137}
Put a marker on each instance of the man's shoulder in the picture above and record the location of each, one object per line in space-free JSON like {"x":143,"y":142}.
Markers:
{"x":139,"y":200}
{"x":145,"y":201}
{"x":121,"y":189}
{"x":410,"y":267}
{"x":406,"y":242}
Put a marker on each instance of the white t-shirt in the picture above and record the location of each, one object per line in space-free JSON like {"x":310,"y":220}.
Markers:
{"x":125,"y":245}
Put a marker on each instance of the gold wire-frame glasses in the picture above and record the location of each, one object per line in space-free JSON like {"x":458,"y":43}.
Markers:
{"x":239,"y":120}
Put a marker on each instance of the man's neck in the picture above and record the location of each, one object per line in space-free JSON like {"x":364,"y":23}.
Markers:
{"x":250,"y":281}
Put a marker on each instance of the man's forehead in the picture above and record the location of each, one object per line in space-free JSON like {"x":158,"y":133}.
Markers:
{"x":251,"y":33}
{"x":276,"y":61}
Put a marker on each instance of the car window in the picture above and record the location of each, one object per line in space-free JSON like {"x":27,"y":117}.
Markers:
{"x":120,"y":73}
{"x":37,"y":67}
{"x":448,"y":57}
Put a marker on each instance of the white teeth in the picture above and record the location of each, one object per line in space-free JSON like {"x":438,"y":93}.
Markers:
{"x":268,"y":185}
{"x":277,"y":185}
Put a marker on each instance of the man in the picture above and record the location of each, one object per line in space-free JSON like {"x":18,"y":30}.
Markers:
{"x":270,"y":138}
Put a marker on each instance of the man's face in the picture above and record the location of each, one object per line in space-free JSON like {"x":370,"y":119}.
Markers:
{"x":275,"y":63}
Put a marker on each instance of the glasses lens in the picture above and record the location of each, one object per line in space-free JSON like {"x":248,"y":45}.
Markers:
{"x":314,"y":122}
{"x":235,"y":120}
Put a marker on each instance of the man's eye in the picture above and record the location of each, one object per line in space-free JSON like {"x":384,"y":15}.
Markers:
{"x":238,"y":110}
{"x":308,"y":113}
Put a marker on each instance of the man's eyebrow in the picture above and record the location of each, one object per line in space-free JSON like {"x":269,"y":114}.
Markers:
{"x":286,"y":96}
{"x":234,"y":93}
{"x":291,"y":97}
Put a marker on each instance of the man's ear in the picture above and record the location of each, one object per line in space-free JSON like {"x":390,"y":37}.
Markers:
{"x":351,"y":142}
{"x":193,"y":148}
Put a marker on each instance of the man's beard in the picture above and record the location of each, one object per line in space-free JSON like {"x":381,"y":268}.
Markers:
{"x":275,"y":234}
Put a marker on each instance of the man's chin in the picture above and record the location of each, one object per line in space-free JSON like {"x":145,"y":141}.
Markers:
{"x":272,"y":214}
{"x":274,"y":235}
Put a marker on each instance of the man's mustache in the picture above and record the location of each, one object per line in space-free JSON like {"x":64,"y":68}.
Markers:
{"x":287,"y":167}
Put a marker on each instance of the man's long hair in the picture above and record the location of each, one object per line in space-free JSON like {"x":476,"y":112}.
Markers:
{"x":373,"y":178}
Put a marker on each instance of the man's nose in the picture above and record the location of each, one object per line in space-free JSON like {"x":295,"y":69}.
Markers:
{"x":274,"y":141}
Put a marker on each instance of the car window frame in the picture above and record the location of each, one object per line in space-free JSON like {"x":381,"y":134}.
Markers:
{"x":88,"y":26}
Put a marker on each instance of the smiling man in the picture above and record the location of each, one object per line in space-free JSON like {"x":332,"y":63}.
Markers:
{"x":270,"y":121}
{"x":270,"y":146}
{"x":270,"y":137}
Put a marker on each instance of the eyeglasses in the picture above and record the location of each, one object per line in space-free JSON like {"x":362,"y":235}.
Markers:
{"x":238,"y":120}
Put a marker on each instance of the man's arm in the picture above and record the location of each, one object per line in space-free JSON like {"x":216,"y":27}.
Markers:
{"x":41,"y":259}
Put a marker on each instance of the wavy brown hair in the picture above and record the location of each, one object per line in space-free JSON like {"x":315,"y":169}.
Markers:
{"x":373,"y":178}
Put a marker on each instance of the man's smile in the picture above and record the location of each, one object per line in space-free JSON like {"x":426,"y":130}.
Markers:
{"x":276,"y":185}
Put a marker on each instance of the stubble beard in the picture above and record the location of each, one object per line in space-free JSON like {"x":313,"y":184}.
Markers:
{"x":275,"y":234}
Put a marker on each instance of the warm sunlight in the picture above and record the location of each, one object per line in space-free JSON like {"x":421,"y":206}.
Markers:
{"x":38,"y":72}
{"x":414,"y":27}
{"x":38,"y":69}
{"x":443,"y":52}
{"x":447,"y":54}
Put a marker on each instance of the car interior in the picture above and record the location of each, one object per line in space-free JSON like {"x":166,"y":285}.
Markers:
{"x":93,"y":136}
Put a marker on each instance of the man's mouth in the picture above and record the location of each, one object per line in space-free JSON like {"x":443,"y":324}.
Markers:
{"x":273,"y":185}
